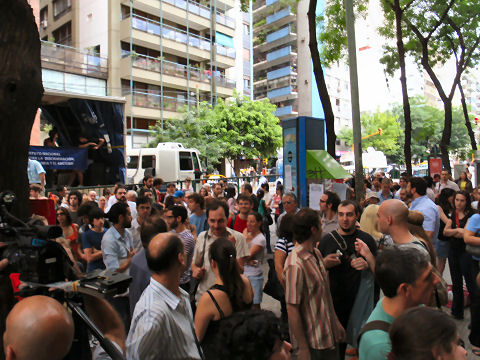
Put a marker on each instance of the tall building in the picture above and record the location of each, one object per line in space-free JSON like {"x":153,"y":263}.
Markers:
{"x":283,"y":70}
{"x":162,"y":55}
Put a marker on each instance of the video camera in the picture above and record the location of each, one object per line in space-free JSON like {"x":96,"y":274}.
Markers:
{"x":43,"y":265}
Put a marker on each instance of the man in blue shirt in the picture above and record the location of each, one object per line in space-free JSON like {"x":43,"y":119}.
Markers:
{"x":117,"y":251}
{"x":385,"y":193}
{"x":407,"y":279}
{"x":196,"y":205}
{"x":417,"y":189}
{"x":36,"y":173}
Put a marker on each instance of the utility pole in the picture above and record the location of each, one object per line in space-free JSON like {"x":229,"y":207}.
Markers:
{"x":357,"y":130}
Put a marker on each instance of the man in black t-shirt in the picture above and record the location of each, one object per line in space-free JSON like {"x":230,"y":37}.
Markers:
{"x":344,"y":263}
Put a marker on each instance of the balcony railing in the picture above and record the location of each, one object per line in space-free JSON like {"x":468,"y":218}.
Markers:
{"x":275,"y":74}
{"x":279,"y":34}
{"x":179,"y":70}
{"x":155,"y":101}
{"x":278,"y":15}
{"x":71,"y":60}
{"x":168,"y":32}
{"x":286,"y":110}
{"x":225,"y":51}
{"x":202,"y":11}
{"x":281,"y":92}
{"x":279,"y":53}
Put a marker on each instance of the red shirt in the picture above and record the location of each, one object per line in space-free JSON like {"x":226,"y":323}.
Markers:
{"x":239,"y":224}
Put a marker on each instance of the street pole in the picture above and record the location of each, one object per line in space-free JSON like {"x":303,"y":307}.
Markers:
{"x":357,"y":130}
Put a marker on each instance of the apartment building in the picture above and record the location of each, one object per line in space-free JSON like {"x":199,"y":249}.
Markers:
{"x":162,"y":55}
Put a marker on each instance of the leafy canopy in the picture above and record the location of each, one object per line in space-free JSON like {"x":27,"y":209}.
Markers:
{"x":238,"y":128}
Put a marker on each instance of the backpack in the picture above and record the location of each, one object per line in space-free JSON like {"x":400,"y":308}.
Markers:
{"x":372,"y":325}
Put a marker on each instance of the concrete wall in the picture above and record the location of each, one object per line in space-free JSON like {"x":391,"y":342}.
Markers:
{"x":93,"y":25}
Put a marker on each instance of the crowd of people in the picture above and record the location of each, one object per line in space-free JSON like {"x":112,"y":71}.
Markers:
{"x":354,"y":279}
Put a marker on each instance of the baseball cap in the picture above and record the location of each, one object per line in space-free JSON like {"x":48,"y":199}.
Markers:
{"x":373,"y":194}
{"x":179,"y":193}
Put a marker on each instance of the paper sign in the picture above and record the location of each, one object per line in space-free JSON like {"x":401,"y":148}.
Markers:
{"x":315,"y":193}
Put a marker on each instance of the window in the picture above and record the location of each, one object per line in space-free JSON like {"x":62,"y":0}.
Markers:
{"x":132,"y":162}
{"x":148,"y":161}
{"x":246,"y":29}
{"x":246,"y":83}
{"x":44,"y":15}
{"x":196,"y":163}
{"x":63,"y":35}
{"x":185,"y":161}
{"x":61,"y":6}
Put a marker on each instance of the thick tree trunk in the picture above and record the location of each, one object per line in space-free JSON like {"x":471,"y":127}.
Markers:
{"x":320,"y":79}
{"x":403,"y":80}
{"x":473,"y":142}
{"x":447,"y":134}
{"x":20,"y":95}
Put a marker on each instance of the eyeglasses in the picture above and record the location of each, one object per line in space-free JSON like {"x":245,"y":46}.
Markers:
{"x":323,"y":201}
{"x":58,"y":214}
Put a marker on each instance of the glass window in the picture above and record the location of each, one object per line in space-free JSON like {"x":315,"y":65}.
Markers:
{"x":196,"y":163}
{"x":185,"y":161}
{"x":148,"y":161}
{"x":132,"y":162}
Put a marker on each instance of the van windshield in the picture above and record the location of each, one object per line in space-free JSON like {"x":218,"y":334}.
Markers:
{"x":186,"y":163}
{"x":132,"y":162}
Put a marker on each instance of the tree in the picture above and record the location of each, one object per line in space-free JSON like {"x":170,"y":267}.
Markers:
{"x":436,"y":29}
{"x":247,"y":128}
{"x":193,"y":130}
{"x":387,"y":141}
{"x":21,"y":92}
{"x":233,"y":129}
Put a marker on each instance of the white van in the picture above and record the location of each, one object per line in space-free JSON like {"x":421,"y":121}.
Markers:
{"x":169,"y":161}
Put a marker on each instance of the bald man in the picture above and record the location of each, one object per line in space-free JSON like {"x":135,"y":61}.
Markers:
{"x":38,"y":327}
{"x":393,"y":220}
{"x":162,"y":322}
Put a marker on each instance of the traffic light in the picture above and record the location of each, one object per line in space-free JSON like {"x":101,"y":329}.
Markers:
{"x":379,"y":131}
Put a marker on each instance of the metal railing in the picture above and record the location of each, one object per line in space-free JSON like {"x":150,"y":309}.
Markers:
{"x":179,"y":70}
{"x":72,"y":60}
{"x":155,"y":101}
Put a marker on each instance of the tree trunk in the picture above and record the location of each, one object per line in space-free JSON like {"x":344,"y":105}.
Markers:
{"x":447,"y":133}
{"x":320,"y":79}
{"x":20,"y":96}
{"x":467,"y":119}
{"x":403,"y":80}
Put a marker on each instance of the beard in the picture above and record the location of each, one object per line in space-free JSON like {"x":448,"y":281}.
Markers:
{"x":347,"y":230}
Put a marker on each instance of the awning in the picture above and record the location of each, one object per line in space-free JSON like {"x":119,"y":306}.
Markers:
{"x":224,"y":40}
{"x":320,"y":165}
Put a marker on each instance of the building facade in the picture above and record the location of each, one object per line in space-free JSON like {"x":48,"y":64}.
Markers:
{"x":163,"y":55}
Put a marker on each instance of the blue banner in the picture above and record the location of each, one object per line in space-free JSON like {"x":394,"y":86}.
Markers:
{"x":59,"y":158}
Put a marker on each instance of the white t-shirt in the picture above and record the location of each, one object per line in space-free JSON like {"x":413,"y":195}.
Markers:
{"x":256,"y":270}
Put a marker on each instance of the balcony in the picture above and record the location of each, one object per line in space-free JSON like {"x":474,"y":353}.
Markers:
{"x":279,"y":53}
{"x":275,"y":74}
{"x":271,"y":2}
{"x":285,"y":15}
{"x":71,"y":60}
{"x":285,"y":111}
{"x":152,"y":34}
{"x":199,"y":16}
{"x":149,"y":70}
{"x":281,"y":94}
{"x":283,"y":32}
{"x":149,"y":105}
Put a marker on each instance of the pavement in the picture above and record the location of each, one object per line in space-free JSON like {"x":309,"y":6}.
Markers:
{"x":269,"y":303}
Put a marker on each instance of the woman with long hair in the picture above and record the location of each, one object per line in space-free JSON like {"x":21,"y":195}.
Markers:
{"x":445,"y":207}
{"x":254,"y":265}
{"x":232,"y":292}
{"x":277,"y":205}
{"x":464,"y":182}
{"x":369,"y":222}
{"x":437,"y":340}
{"x":70,"y":232}
{"x":264,"y":211}
{"x":459,"y":260}
{"x":230,"y":193}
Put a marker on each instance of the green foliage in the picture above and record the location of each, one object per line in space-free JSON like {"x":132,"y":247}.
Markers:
{"x":333,"y":33}
{"x":427,"y":126}
{"x":259,"y":23}
{"x":233,"y":129}
{"x":388,"y":141}
{"x":247,"y":128}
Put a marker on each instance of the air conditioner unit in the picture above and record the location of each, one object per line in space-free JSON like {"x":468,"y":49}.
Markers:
{"x":44,"y":23}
